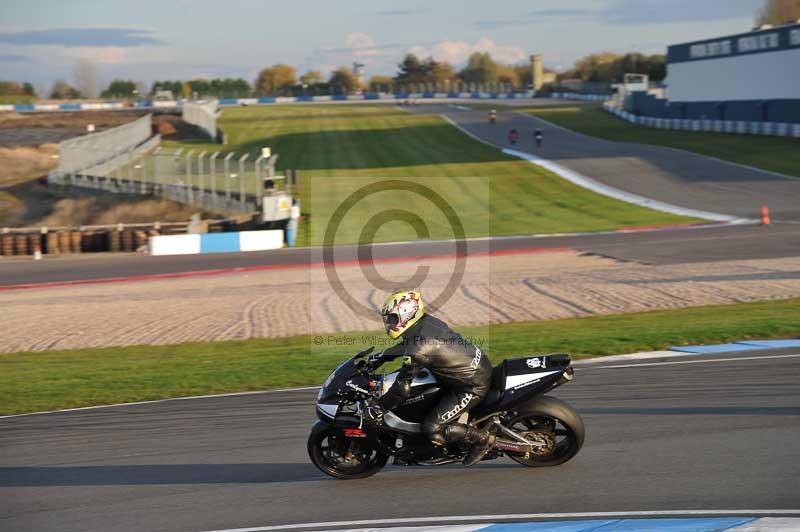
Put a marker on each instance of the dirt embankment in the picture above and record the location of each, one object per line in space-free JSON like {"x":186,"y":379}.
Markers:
{"x":28,"y":152}
{"x":107,"y":210}
{"x":26,"y":162}
{"x":68,"y":119}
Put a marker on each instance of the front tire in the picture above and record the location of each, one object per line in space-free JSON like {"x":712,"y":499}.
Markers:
{"x":552,"y":421}
{"x":340,"y":457}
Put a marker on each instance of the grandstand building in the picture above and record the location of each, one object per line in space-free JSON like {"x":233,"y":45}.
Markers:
{"x":752,"y":76}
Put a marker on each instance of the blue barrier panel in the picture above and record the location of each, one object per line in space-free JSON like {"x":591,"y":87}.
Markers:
{"x":772,"y":344}
{"x":718,"y":348}
{"x":266,"y":99}
{"x":401,"y":95}
{"x":511,"y":95}
{"x":428,"y":95}
{"x":339,"y":97}
{"x":494,"y":95}
{"x":452,"y":95}
{"x":70,"y":107}
{"x":228,"y":101}
{"x":219,"y":242}
{"x":681,"y":524}
{"x":23,"y":107}
{"x":372,"y":96}
{"x":475,"y":95}
{"x":305,"y":99}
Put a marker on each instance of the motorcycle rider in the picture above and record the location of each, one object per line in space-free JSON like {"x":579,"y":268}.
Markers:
{"x":513,"y":136}
{"x":463,"y":370}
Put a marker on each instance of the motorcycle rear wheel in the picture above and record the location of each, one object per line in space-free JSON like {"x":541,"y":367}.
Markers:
{"x":554,"y":419}
{"x":340,"y":457}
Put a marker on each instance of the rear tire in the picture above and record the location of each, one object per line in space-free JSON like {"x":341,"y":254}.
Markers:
{"x":548,"y":414}
{"x":340,"y":457}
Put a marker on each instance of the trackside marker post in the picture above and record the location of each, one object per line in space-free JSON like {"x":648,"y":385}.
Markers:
{"x":765,"y":219}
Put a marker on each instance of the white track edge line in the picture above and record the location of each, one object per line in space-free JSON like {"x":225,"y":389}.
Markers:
{"x":506,"y":517}
{"x":618,"y":194}
{"x":706,"y":361}
{"x":155,"y":401}
{"x":601,"y":188}
{"x":590,"y":363}
{"x":661,"y":146}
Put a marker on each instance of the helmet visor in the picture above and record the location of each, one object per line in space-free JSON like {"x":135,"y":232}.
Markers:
{"x":390,"y":321}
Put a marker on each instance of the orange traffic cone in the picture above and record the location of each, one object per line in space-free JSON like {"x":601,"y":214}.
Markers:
{"x":765,"y":220}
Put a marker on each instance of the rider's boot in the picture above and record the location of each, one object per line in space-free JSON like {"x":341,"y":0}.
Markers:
{"x":482,"y":442}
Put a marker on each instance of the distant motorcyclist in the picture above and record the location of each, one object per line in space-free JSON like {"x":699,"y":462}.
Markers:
{"x":492,"y":116}
{"x":462,"y":369}
{"x":513,"y":136}
{"x":538,"y":137}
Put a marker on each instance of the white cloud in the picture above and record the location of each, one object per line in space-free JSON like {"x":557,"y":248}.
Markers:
{"x":457,"y":52}
{"x":357,"y":46}
{"x":361,"y":45}
{"x":381,"y":58}
{"x":112,"y":55}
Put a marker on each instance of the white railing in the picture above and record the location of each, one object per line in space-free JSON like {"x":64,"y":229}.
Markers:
{"x":740,"y":127}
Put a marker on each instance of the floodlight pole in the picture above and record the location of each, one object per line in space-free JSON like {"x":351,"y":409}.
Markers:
{"x":200,"y":189}
{"x":242,"y":180}
{"x":259,"y":181}
{"x":227,"y":178}
{"x":212,"y":167}
{"x":189,"y":196}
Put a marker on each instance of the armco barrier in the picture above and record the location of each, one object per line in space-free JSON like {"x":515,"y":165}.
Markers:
{"x":779,"y":129}
{"x":175,"y":104}
{"x":202,"y":115}
{"x":216,"y":242}
{"x":79,"y":153}
{"x":579,"y":96}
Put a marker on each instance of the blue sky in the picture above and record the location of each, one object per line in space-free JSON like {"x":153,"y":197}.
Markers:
{"x":41,"y":40}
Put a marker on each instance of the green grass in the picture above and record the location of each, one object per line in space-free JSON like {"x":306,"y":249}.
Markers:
{"x":777,"y":154}
{"x":10,"y":99}
{"x":64,"y":379}
{"x":338,"y":148}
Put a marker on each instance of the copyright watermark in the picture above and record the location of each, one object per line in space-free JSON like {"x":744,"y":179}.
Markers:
{"x":382,"y":342}
{"x":378,"y":236}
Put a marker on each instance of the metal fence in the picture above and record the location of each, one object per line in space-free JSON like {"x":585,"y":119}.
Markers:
{"x":779,"y":129}
{"x":216,"y":181}
{"x":81,"y":153}
{"x":202,"y":115}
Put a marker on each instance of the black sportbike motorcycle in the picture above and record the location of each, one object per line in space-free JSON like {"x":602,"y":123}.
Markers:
{"x":530,"y":428}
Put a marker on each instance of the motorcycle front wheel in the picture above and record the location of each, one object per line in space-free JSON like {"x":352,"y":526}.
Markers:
{"x":342,"y":457}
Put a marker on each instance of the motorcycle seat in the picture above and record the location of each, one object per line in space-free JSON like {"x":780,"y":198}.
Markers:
{"x":498,"y":385}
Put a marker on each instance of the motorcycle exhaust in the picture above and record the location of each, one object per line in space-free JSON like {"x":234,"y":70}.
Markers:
{"x":511,"y":447}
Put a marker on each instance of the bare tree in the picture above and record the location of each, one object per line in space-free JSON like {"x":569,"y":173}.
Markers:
{"x":778,"y":12}
{"x":86,"y":78}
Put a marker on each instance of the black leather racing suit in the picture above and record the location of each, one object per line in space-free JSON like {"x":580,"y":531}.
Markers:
{"x":463,"y":370}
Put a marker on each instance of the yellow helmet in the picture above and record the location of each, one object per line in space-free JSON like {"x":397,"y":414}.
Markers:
{"x":400,"y":311}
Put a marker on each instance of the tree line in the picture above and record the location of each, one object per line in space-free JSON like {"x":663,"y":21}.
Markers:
{"x":413,"y":74}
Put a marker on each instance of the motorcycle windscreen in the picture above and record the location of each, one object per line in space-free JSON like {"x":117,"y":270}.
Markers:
{"x":330,"y":390}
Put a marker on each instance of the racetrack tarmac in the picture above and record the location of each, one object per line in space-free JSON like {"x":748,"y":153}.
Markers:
{"x":669,"y":246}
{"x":672,"y":176}
{"x":699,"y":432}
